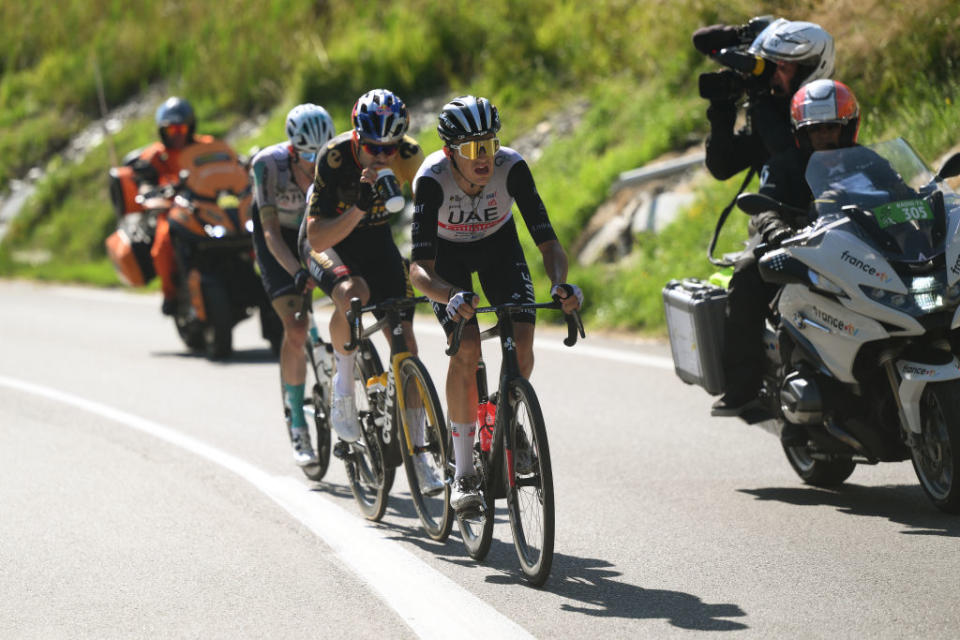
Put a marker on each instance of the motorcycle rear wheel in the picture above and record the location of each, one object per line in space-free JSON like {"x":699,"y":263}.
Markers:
{"x":936,"y":451}
{"x":818,"y":473}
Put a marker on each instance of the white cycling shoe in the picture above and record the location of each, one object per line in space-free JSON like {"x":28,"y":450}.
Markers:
{"x":344,"y":419}
{"x":465,"y":493}
{"x":428,"y":477}
{"x":303,"y":453}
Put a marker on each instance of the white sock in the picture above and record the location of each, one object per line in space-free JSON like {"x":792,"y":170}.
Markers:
{"x":415,"y":423}
{"x":343,"y":378}
{"x":463,"y":435}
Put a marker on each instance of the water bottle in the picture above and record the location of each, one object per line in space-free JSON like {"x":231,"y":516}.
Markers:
{"x":486,"y":415}
{"x":389,"y":190}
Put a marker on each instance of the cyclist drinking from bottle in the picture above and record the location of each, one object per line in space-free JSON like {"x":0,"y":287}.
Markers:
{"x":463,"y":224}
{"x":346,"y":240}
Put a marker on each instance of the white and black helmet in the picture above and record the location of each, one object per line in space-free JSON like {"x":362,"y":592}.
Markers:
{"x":467,"y":117}
{"x":380,"y":117}
{"x":805,"y":43}
{"x":309,"y":128}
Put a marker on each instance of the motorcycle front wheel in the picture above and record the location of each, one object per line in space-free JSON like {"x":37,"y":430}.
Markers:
{"x":218,"y":330}
{"x":936,"y":450}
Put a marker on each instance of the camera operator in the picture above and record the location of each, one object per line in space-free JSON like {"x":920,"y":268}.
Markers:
{"x":767,"y":61}
{"x":824,"y":115}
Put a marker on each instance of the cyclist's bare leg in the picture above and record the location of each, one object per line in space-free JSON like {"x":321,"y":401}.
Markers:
{"x":523,"y":332}
{"x":462,"y":377}
{"x":343,"y":292}
{"x":462,"y":399}
{"x":293,"y":359}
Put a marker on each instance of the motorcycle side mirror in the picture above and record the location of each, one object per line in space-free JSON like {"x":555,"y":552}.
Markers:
{"x":950,"y":168}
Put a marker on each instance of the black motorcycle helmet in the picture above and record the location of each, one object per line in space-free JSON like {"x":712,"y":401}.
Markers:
{"x":175,"y":110}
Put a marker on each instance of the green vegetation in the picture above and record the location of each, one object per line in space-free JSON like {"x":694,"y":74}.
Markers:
{"x":631,"y":63}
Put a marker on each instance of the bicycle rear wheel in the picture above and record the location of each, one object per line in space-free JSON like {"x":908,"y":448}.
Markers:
{"x":428,"y":436}
{"x":370,"y":479}
{"x":529,"y":483}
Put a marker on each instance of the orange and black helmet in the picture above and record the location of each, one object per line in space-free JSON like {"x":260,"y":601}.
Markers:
{"x":826,"y":102}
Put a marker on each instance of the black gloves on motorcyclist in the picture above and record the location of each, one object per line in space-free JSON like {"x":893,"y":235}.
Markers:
{"x":773,"y":231}
{"x":365,"y":197}
{"x":300,"y":281}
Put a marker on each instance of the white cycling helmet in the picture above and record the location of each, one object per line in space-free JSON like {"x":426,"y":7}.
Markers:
{"x":309,"y":127}
{"x":805,"y":43}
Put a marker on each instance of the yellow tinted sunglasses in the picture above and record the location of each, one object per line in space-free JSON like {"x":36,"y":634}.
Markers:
{"x":471,"y":150}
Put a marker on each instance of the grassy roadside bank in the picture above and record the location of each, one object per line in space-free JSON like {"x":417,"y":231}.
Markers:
{"x":632,"y":63}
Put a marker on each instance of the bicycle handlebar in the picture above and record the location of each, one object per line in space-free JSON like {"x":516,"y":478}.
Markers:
{"x":357,"y":310}
{"x":574,"y":323}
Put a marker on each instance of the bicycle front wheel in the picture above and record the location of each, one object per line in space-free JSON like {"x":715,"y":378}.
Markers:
{"x":529,"y":483}
{"x":369,"y":477}
{"x":318,"y":406}
{"x":423,"y":445}
{"x":476,"y":525}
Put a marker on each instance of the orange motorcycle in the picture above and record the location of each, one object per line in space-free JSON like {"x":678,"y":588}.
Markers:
{"x":208,"y":212}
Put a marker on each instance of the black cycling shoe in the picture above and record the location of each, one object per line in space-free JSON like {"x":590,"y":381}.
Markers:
{"x":169,"y":307}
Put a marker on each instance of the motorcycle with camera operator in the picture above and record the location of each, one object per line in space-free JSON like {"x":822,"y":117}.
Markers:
{"x":766,"y":61}
{"x":824,"y":115}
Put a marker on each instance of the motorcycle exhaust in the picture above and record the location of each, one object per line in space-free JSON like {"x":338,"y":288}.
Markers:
{"x":843,"y":436}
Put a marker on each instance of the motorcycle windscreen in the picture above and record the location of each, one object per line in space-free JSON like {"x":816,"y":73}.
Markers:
{"x":888,"y":192}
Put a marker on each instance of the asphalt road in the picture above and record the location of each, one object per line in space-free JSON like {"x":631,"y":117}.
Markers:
{"x":146,"y":492}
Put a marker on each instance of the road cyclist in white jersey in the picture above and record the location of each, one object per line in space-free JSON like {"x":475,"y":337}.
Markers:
{"x":281,"y":175}
{"x":463,"y":224}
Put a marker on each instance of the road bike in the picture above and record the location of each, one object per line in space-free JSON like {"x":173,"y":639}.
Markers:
{"x":369,"y":476}
{"x":515,"y":462}
{"x":405,"y":397}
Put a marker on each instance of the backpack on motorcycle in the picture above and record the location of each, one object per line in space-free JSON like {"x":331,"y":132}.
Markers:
{"x":696,"y":314}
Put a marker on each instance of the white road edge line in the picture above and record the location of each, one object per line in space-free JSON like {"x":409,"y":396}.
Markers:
{"x":432,"y":605}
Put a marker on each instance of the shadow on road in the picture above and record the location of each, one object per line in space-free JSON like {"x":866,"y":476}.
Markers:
{"x":591,"y":581}
{"x":239,"y":356}
{"x":904,"y":504}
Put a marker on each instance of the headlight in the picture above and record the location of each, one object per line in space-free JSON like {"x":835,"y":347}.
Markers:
{"x":823,"y":283}
{"x":215,"y":230}
{"x":927,"y":294}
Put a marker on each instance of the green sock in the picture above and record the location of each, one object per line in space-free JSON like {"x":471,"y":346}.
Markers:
{"x":293,"y":397}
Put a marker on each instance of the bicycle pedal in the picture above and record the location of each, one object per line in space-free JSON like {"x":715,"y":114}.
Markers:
{"x":341,"y":450}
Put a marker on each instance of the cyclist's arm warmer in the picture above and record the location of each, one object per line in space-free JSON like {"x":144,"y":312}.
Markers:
{"x":428,"y":197}
{"x":522,"y":189}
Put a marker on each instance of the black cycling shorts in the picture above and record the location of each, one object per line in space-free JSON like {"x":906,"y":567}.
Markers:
{"x":500,"y":266}
{"x":369,"y":253}
{"x":277,"y":281}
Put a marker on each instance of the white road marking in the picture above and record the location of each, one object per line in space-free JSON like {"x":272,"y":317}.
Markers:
{"x":430,"y":603}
